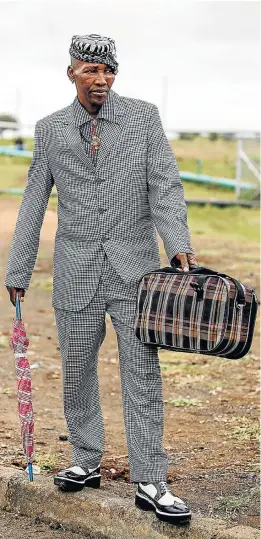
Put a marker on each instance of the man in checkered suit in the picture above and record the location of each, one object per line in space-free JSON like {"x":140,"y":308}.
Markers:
{"x":118,"y":183}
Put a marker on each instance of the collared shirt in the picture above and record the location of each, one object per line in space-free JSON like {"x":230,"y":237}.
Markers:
{"x":83,"y":122}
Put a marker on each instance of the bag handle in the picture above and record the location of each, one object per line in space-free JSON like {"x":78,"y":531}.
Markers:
{"x":202,"y":270}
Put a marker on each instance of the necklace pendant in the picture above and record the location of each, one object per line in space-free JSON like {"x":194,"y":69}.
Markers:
{"x":95,"y":139}
{"x":96,"y":142}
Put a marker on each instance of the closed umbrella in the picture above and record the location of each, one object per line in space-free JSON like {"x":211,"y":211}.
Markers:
{"x":19,"y":343}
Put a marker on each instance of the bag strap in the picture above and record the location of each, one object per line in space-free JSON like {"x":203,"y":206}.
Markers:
{"x":202,"y":270}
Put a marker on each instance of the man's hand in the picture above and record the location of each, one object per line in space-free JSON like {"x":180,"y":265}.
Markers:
{"x":182,"y":261}
{"x":12,"y":292}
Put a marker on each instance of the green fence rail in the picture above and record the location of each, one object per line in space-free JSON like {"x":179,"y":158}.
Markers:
{"x":186,"y":176}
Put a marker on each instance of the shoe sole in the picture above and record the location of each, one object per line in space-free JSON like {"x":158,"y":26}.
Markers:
{"x":69,"y":485}
{"x":148,"y":505}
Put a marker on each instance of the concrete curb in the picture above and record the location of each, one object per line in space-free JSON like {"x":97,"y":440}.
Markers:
{"x":101,"y":515}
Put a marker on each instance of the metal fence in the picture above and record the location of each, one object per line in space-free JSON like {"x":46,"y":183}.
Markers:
{"x":247,"y":160}
{"x":248,"y":166}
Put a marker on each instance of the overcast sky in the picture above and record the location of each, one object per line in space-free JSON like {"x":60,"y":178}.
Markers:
{"x":198,"y":61}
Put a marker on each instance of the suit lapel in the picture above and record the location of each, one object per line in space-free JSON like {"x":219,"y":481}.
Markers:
{"x":109,"y":136}
{"x":73,"y":138}
{"x":112,"y":113}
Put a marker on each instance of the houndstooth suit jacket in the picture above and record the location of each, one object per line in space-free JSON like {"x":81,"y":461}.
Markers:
{"x":116,"y":206}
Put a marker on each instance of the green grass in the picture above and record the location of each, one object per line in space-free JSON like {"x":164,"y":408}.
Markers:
{"x":46,"y":461}
{"x":44,"y":284}
{"x":234,"y":222}
{"x":6,"y":391}
{"x":241,"y":503}
{"x":195,"y":190}
{"x":4,"y":342}
{"x":28,"y":142}
{"x":218,"y":158}
{"x":209,"y":221}
{"x":183,"y":402}
{"x":209,"y":167}
{"x":246,"y":430}
{"x":13,"y":173}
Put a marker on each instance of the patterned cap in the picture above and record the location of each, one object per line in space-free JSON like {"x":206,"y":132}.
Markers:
{"x":94,"y":49}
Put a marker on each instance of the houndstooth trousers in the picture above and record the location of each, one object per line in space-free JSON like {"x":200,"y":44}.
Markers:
{"x":81,"y":334}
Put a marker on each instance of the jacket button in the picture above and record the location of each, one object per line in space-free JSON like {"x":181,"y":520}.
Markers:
{"x":104,"y":238}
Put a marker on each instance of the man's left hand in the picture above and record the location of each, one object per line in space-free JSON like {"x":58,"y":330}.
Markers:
{"x":182,"y":261}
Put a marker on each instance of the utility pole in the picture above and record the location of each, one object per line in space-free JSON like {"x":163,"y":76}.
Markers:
{"x":239,"y":167}
{"x":18,"y":100}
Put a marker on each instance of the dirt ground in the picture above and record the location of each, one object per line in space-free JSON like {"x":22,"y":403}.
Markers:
{"x":212,"y":408}
{"x":19,"y":527}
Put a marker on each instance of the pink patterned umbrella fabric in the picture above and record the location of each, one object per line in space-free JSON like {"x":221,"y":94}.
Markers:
{"x":19,"y":343}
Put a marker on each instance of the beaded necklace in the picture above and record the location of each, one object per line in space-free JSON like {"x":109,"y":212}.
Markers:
{"x":95,"y":138}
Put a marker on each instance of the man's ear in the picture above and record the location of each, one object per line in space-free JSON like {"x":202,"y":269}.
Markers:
{"x":70,"y":73}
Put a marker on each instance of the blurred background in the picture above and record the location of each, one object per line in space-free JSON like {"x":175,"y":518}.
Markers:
{"x":199,"y":62}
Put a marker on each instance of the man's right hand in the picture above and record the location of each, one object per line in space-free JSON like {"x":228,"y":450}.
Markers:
{"x":13,"y":291}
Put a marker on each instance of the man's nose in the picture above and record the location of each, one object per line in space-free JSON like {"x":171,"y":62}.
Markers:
{"x":101,"y":79}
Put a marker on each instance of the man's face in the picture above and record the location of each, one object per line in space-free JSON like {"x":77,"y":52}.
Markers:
{"x":93,"y":81}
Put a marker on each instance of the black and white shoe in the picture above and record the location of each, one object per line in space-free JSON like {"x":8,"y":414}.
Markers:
{"x":76,"y":478}
{"x":159,"y":498}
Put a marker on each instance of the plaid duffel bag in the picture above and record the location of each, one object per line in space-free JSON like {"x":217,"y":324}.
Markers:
{"x":201,"y":311}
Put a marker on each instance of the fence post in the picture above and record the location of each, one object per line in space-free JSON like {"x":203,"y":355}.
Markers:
{"x":238,"y":167}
